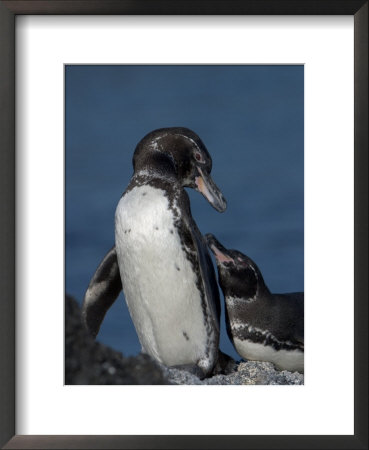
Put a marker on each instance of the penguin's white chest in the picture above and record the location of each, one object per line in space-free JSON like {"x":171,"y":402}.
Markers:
{"x":159,"y":282}
{"x":291,"y":360}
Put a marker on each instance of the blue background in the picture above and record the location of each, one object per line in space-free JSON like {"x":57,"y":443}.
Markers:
{"x":251,"y":119}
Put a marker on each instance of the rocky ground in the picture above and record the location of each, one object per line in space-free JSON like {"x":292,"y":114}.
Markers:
{"x":250,"y":372}
{"x":89,"y":362}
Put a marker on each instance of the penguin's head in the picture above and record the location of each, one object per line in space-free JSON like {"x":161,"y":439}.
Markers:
{"x":178,"y":152}
{"x":239,"y":276}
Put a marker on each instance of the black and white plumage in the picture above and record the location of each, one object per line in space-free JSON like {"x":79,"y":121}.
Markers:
{"x":103,"y":290}
{"x":165,"y":268}
{"x":262,"y":326}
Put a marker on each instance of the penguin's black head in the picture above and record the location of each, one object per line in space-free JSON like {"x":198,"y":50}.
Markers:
{"x":178,"y":152}
{"x":239,"y":276}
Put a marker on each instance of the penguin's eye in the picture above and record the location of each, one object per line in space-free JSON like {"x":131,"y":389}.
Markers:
{"x":199,"y":157}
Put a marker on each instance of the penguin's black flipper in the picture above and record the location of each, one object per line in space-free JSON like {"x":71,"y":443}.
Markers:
{"x":102,"y":292}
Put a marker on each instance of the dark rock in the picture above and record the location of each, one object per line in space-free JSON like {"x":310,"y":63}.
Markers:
{"x":89,"y":362}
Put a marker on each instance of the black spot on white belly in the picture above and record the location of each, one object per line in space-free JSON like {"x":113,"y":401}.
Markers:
{"x":186,"y":336}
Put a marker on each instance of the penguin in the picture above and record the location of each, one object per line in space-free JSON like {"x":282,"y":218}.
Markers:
{"x":262,"y":326}
{"x":160,"y":257}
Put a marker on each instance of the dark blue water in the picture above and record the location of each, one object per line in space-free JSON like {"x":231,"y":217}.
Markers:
{"x":251,"y":120}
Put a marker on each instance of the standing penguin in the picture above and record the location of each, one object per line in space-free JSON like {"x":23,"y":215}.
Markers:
{"x":262,"y":326}
{"x":160,"y":257}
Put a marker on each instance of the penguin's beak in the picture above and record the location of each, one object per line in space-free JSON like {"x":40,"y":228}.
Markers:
{"x":217,"y":248}
{"x":209,"y":190}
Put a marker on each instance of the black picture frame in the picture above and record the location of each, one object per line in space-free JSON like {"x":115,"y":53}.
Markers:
{"x":8,"y":11}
